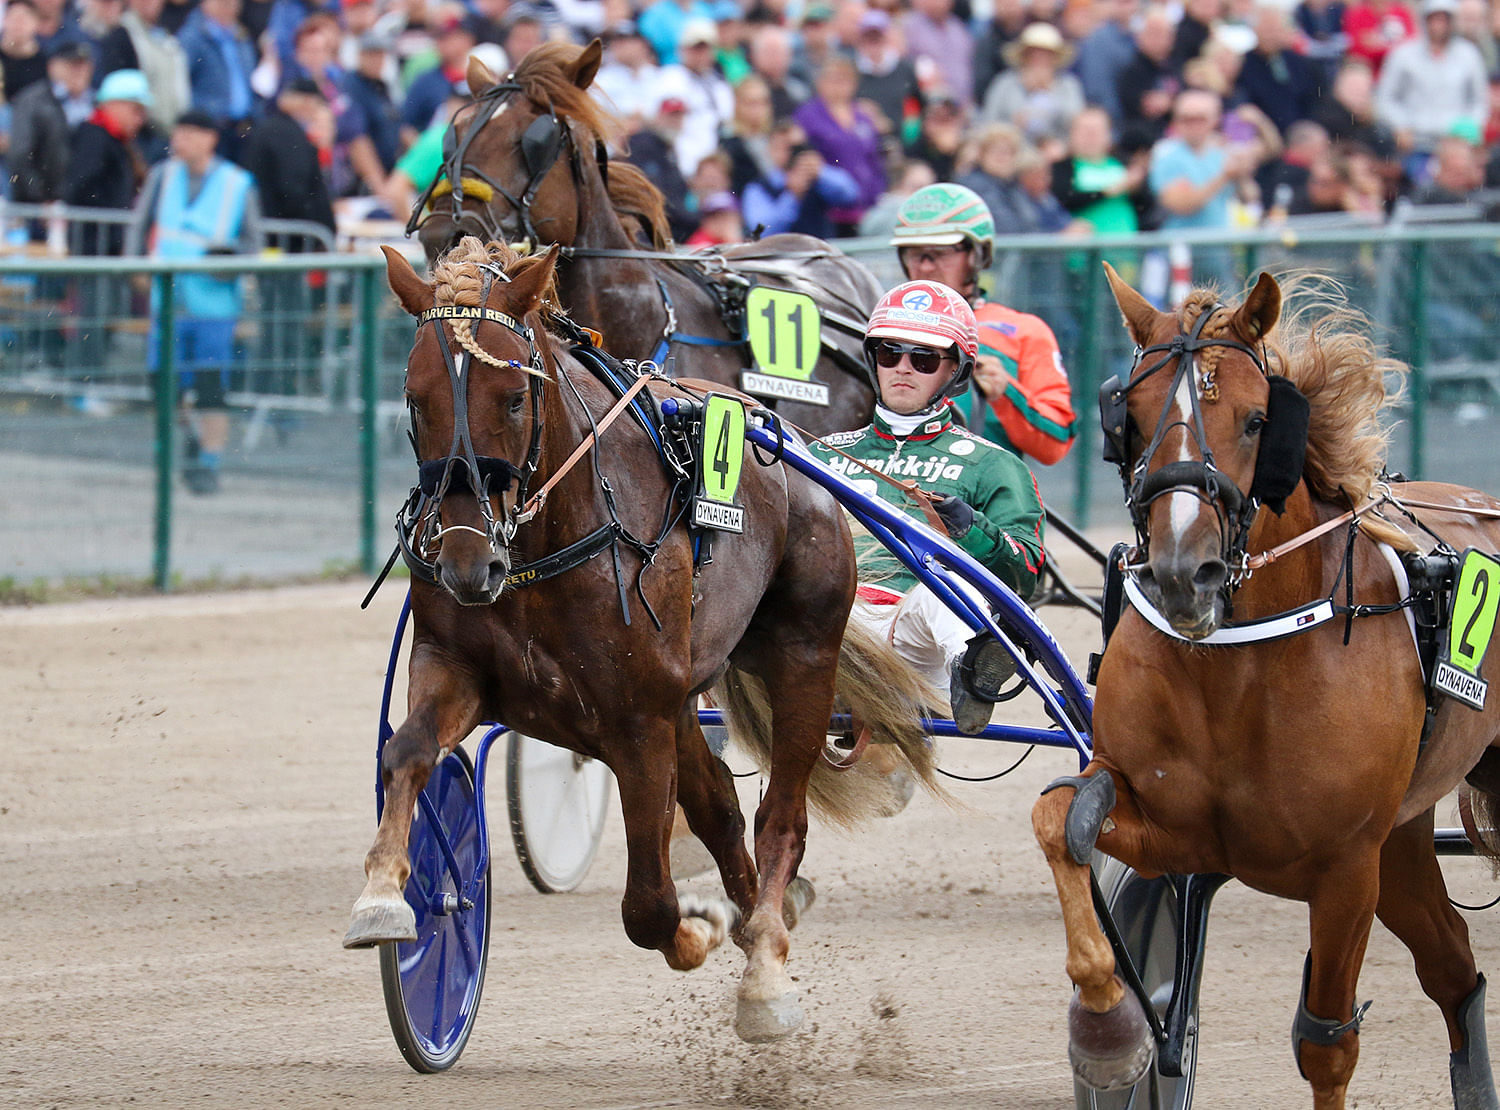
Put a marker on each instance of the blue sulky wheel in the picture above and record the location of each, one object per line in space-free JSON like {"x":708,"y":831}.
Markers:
{"x":1147,"y":914}
{"x":432,"y":985}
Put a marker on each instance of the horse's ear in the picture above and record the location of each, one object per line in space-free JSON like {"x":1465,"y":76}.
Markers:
{"x":587,"y":65}
{"x":1140,"y":316}
{"x":527,"y":288}
{"x":415,"y":294}
{"x":479,"y":76}
{"x":1262,"y":308}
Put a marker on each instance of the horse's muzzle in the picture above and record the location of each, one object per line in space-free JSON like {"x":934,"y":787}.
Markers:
{"x":476,"y":581}
{"x":1189,"y":593}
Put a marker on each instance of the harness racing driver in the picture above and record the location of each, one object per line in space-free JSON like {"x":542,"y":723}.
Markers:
{"x":946,"y":233}
{"x":920,"y":346}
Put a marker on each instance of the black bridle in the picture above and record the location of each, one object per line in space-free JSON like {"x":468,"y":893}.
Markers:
{"x":419,"y":528}
{"x":1278,"y":464}
{"x":541,"y":145}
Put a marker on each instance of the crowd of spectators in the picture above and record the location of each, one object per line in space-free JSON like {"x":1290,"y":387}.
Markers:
{"x":1071,"y":116}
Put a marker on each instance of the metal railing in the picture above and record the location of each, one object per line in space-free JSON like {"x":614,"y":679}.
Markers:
{"x":91,"y":435}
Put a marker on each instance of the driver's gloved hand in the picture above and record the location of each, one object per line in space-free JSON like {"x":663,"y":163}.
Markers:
{"x":956,"y":513}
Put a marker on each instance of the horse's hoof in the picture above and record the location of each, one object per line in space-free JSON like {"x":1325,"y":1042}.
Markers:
{"x":761,"y":1020}
{"x":1111,"y":1050}
{"x":796,"y":901}
{"x":721,"y":916}
{"x":380,"y":921}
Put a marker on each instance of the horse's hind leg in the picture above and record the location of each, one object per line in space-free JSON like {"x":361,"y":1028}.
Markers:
{"x":705,"y":790}
{"x":1325,"y":1032}
{"x":1414,"y":905}
{"x":768,"y":1008}
{"x":685,"y":930}
{"x":443,"y":711}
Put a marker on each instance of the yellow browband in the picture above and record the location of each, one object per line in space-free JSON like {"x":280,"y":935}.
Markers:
{"x":473,"y":187}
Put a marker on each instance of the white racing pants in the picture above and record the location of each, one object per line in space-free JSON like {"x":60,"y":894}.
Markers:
{"x":924,"y":631}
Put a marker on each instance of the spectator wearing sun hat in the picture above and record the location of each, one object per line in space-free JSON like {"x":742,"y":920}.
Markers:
{"x":695,"y":81}
{"x":664,"y":21}
{"x":1036,"y":92}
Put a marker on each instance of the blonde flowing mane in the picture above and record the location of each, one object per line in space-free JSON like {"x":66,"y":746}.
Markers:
{"x":458,"y":280}
{"x":1324,"y":346}
{"x":546,"y":79}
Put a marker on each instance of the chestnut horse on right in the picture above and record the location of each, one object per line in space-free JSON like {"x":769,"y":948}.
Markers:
{"x":1262,"y":706}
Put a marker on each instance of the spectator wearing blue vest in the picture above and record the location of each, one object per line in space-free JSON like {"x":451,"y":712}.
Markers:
{"x":196,"y":204}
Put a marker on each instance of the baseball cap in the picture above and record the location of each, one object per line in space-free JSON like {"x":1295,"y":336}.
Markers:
{"x":454,"y":21}
{"x":875,"y":21}
{"x":1434,"y":7}
{"x":196,"y":117}
{"x":696,"y":31}
{"x":818,"y":13}
{"x":374,"y":40}
{"x":71,"y":50}
{"x":671,"y":104}
{"x":125,"y":84}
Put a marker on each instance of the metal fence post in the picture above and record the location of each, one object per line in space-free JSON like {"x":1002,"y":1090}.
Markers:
{"x":166,"y":411}
{"x":1418,"y":359}
{"x":368,"y":422}
{"x":1088,"y":385}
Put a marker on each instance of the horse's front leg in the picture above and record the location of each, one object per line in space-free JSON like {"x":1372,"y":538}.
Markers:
{"x":443,"y":709}
{"x":1325,"y":1031}
{"x":684,"y":929}
{"x":1109,"y":1042}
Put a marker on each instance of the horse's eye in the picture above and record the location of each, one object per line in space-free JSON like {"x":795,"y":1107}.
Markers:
{"x":516,"y":403}
{"x":1254,"y":425}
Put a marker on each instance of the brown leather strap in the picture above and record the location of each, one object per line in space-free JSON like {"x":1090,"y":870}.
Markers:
{"x":539,"y":498}
{"x":919,"y":495}
{"x":861,"y":742}
{"x":1471,"y":510}
{"x":1266,"y":558}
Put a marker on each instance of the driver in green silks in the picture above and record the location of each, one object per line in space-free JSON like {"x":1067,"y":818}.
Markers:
{"x":920,"y":347}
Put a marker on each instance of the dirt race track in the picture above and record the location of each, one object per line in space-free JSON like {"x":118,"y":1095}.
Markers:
{"x":186,"y":798}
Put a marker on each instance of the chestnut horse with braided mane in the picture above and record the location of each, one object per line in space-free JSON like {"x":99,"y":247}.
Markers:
{"x":606,"y":652}
{"x":1308,"y":767}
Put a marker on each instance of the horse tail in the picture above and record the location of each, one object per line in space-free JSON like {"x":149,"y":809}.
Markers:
{"x":1482,"y":821}
{"x":883,"y":692}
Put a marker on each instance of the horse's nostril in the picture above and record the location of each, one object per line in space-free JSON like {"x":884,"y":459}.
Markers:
{"x":1210,"y":576}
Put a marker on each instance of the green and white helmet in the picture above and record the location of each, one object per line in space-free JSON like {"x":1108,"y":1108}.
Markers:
{"x":944,"y":215}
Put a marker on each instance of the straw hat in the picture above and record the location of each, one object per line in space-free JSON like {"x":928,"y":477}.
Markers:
{"x":1039,"y":36}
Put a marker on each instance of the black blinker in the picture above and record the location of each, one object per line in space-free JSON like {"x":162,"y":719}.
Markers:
{"x":541,"y":143}
{"x":500,"y":473}
{"x":1115,"y":418}
{"x":1283,"y":444}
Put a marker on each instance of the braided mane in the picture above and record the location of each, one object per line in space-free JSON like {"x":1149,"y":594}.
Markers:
{"x":546,"y":79}
{"x":458,"y":280}
{"x":1324,"y":346}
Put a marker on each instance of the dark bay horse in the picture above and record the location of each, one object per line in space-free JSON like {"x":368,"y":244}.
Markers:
{"x":606,"y":654}
{"x":528,"y":163}
{"x":1306,"y":766}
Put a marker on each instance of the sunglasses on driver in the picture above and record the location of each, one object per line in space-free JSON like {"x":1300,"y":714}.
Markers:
{"x":924,"y":360}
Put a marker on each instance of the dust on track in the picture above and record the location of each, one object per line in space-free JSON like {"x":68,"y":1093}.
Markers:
{"x":186,"y":799}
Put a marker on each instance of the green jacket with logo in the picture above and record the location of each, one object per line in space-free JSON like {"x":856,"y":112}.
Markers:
{"x":946,"y":459}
